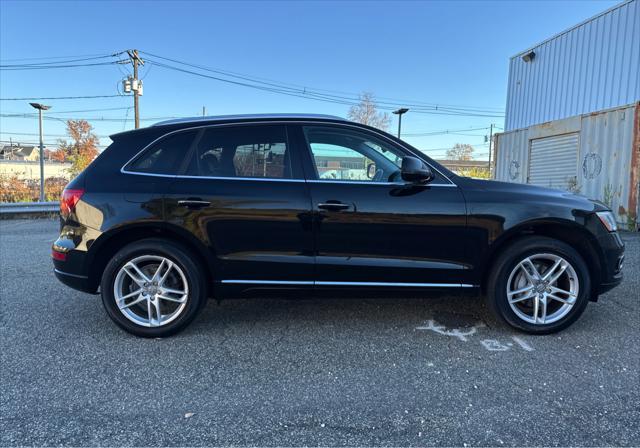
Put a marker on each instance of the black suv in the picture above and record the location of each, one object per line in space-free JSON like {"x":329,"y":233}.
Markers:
{"x":303,"y":205}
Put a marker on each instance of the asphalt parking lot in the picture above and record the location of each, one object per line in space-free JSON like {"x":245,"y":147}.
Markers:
{"x":310,"y":372}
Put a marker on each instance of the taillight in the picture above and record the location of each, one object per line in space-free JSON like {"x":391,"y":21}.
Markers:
{"x":68,"y":201}
{"x":60,"y":256}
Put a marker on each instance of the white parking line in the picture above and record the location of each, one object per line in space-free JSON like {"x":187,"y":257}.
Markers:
{"x":522,"y":344}
{"x":461,"y":334}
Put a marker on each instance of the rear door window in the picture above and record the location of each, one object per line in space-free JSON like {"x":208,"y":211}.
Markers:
{"x":165,"y":156}
{"x":259,"y":151}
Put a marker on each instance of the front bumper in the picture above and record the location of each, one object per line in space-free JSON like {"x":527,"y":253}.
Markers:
{"x":613,"y":260}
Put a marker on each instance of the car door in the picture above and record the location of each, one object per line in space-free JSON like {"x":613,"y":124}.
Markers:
{"x":242,"y":193}
{"x":372,"y":228}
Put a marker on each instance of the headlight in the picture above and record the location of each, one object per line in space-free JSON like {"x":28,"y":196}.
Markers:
{"x":608,"y":220}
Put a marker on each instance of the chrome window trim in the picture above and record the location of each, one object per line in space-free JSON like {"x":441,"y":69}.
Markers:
{"x":268,"y":282}
{"x":410,"y":285}
{"x":325,"y":283}
{"x":180,"y":176}
{"x":273,"y":179}
{"x":281,"y":122}
{"x":364,"y":182}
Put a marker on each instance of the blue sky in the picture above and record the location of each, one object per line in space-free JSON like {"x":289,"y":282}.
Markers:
{"x":450,"y":53}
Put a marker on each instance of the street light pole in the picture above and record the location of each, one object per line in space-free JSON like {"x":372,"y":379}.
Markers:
{"x":490,"y":149}
{"x":399,"y":113}
{"x":40,"y":108}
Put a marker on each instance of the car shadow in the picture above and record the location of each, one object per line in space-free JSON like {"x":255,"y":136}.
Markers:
{"x":458,"y":312}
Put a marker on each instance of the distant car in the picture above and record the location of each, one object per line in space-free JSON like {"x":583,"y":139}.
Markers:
{"x":238,"y":206}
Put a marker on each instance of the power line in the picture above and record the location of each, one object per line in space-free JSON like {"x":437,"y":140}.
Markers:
{"x":46,"y":67}
{"x":444,"y":131}
{"x":311,"y":95}
{"x":74,"y":62}
{"x":317,"y":92}
{"x":113,"y":119}
{"x":48,"y":134}
{"x":87,"y":110}
{"x":15,"y":142}
{"x":61,"y":97}
{"x":76,"y":111}
{"x":349,"y":99}
{"x":87,"y":56}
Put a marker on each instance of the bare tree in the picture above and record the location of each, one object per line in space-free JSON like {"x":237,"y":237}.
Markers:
{"x":460,"y":151}
{"x":366,"y":112}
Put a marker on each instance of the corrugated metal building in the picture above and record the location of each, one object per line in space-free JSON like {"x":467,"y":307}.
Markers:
{"x":573,"y":112}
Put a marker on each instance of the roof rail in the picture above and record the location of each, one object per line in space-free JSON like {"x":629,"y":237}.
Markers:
{"x":247,"y":117}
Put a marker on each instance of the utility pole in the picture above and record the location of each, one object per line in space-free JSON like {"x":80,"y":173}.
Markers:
{"x":40,"y":108}
{"x":399,"y":113}
{"x":204,"y":112}
{"x":136,"y":84}
{"x":490,"y":149}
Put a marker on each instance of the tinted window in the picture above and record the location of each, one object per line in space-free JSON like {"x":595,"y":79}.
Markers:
{"x":166,"y":156}
{"x":242,"y":151}
{"x":342,"y":154}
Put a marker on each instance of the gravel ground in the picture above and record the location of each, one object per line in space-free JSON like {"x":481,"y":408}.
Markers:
{"x":309,"y":372}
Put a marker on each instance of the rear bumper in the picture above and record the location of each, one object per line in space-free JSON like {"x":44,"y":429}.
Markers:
{"x":79,"y":282}
{"x":70,"y":259}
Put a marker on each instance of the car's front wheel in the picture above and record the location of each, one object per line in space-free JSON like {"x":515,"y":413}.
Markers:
{"x":152,"y":288}
{"x":539,"y":285}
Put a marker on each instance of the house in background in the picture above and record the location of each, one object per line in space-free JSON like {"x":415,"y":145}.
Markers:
{"x":19,"y":153}
{"x":573,"y":112}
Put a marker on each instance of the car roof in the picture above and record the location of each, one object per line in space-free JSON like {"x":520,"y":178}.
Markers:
{"x":242,"y":117}
{"x":180,"y":123}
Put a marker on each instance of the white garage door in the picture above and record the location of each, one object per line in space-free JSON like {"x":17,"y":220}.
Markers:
{"x":553,"y":161}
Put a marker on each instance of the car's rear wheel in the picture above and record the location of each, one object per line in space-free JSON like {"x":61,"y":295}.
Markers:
{"x":152,"y":288}
{"x":539,"y":285}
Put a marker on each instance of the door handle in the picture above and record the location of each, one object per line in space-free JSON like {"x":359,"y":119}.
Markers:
{"x":333,"y":206}
{"x":194,"y":203}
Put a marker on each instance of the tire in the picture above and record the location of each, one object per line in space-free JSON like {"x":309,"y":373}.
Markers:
{"x":508,"y":277}
{"x":179,"y":292}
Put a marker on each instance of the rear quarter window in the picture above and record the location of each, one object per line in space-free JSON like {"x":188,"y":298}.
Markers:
{"x":166,"y":156}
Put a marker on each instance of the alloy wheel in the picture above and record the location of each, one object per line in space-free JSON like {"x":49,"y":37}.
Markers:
{"x":151,"y":290}
{"x":542,"y":288}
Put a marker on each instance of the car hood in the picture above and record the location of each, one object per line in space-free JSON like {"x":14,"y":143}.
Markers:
{"x":533,"y":193}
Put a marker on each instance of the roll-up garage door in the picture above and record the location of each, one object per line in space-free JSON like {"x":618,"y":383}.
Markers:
{"x":553,"y":161}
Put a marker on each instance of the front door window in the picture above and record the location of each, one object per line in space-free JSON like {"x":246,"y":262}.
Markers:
{"x":344,"y":155}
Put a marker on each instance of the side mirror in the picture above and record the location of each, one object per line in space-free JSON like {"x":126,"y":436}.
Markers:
{"x":371,"y":170}
{"x":415,"y":171}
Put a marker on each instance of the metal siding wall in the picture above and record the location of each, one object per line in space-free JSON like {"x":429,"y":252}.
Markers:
{"x":511,"y":156}
{"x":592,"y":67}
{"x":606,"y":145}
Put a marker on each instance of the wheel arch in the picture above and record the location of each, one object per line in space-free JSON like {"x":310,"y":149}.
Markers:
{"x":569,"y":232}
{"x":108,"y":244}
